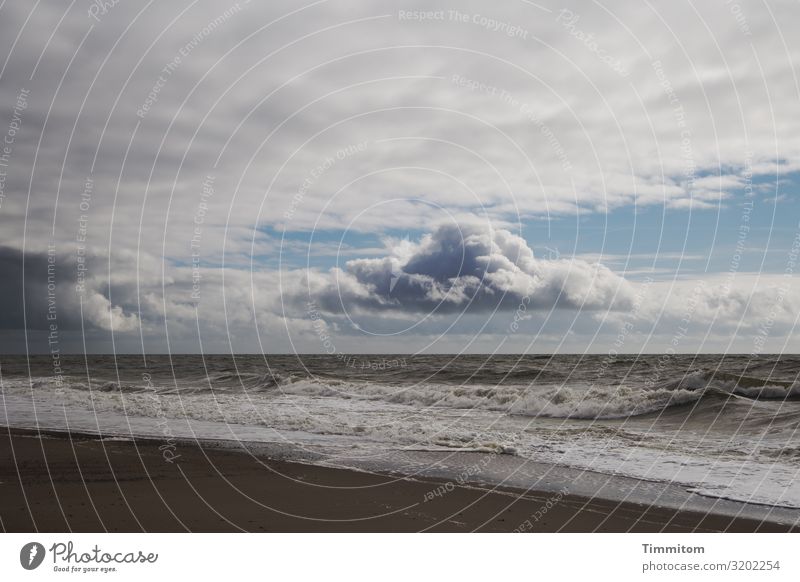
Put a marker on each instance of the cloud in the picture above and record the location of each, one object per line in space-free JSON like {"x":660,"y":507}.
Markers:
{"x":330,"y":78}
{"x":38,"y":290}
{"x":456,"y":121}
{"x":466,"y":267}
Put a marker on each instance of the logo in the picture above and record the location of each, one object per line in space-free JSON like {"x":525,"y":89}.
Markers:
{"x":31,"y":555}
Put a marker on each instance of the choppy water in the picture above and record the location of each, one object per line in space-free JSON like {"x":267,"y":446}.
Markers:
{"x":721,"y":426}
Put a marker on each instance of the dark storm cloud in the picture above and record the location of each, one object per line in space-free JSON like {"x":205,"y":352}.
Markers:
{"x":467,"y":268}
{"x":43,"y":291}
{"x":31,"y":287}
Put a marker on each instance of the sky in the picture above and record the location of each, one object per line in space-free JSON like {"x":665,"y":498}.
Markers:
{"x":391,"y":177}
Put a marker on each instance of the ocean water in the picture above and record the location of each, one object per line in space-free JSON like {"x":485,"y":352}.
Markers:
{"x":724,"y":427}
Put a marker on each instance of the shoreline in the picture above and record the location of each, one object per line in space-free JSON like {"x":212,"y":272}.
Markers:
{"x":55,"y":481}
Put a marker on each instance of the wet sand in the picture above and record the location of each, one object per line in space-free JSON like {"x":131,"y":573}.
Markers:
{"x":80,"y":483}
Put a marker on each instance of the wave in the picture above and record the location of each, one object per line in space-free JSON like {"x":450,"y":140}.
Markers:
{"x":555,"y":401}
{"x":248,"y":380}
{"x":551,"y":400}
{"x":621,"y":399}
{"x":573,"y":401}
{"x":758,"y":388}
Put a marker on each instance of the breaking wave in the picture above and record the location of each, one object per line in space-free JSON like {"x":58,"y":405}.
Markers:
{"x":575,"y":401}
{"x":551,"y":400}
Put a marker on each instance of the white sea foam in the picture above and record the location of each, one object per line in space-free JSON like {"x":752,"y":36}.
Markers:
{"x":554,"y":401}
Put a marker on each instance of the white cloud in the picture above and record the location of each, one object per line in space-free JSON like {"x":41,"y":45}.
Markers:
{"x":467,"y":267}
{"x":98,"y":311}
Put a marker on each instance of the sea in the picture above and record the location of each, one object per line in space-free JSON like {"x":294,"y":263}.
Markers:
{"x":680,"y":430}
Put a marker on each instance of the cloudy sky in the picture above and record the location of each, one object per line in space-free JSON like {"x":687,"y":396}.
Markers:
{"x":353,"y":176}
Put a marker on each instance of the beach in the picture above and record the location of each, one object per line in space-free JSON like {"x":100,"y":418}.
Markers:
{"x":60,"y":482}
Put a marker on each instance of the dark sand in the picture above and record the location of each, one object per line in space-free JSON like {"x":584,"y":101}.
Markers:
{"x":83,"y":484}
